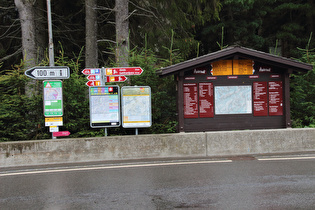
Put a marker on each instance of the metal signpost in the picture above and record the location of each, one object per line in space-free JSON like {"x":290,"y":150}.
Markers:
{"x":99,"y":76}
{"x":105,"y":100}
{"x":52,"y":91}
{"x":53,"y":104}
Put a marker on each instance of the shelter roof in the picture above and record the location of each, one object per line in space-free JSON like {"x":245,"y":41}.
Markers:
{"x":236,"y":52}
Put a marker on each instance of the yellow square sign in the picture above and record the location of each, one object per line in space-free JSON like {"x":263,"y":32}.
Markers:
{"x":53,"y":121}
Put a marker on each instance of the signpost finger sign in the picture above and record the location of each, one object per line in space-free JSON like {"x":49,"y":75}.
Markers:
{"x":105,"y":101}
{"x":124,"y":71}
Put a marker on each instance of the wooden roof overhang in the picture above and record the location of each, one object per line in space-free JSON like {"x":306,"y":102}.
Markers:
{"x":236,"y":52}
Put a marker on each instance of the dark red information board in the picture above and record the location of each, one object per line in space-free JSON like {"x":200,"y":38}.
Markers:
{"x":190,"y":100}
{"x":206,"y":100}
{"x":275,"y":98}
{"x":260,"y":98}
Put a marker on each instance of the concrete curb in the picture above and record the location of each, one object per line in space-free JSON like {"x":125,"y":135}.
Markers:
{"x":260,"y":141}
{"x":179,"y":145}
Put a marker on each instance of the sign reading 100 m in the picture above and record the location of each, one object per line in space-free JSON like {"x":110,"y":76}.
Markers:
{"x":48,"y":72}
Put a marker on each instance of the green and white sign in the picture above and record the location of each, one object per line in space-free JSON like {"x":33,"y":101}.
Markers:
{"x":53,"y":104}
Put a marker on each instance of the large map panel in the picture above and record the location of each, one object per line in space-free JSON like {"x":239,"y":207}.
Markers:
{"x":233,"y":99}
{"x":104,"y":106}
{"x":136,"y":106}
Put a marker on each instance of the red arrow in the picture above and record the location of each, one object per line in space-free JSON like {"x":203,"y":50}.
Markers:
{"x":91,"y":71}
{"x":93,"y":83}
{"x":94,"y":77}
{"x":124,"y":71}
{"x":61,"y":133}
{"x":116,"y":79}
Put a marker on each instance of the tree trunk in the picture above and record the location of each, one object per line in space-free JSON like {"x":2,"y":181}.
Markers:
{"x":311,"y":16}
{"x":28,"y":28}
{"x":41,"y":37}
{"x":122,"y":32}
{"x":91,"y":55}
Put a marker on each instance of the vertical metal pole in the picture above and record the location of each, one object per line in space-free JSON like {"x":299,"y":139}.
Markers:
{"x":50,"y":42}
{"x":50,"y":36}
{"x":105,"y":131}
{"x":103,"y":76}
{"x":136,"y":131}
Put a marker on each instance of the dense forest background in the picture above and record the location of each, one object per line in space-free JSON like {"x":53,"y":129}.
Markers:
{"x":158,"y":33}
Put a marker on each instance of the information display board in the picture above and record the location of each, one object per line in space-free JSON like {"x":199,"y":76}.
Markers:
{"x":53,"y":104}
{"x":232,"y":67}
{"x":275,"y":98}
{"x":242,"y":67}
{"x":136,"y":106}
{"x":233,"y":99}
{"x":260,"y":98}
{"x":104,"y":106}
{"x":206,"y":100}
{"x":190,"y":100}
{"x":222,"y":67}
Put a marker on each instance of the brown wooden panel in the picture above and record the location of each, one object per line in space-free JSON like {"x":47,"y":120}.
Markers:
{"x":234,"y":122}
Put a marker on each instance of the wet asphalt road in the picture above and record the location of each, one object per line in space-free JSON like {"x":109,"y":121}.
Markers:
{"x":230,"y":183}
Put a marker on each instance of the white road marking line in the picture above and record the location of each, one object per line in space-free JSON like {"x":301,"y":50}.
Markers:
{"x":113,"y":167}
{"x":286,"y":158}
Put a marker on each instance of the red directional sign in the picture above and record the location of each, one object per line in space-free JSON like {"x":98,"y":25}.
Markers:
{"x":120,"y":71}
{"x":93,"y":83}
{"x":61,"y":133}
{"x":91,"y":71}
{"x":116,"y":79}
{"x":94,"y":77}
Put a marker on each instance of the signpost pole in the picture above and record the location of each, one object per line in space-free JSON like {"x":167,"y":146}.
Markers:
{"x":103,"y":76}
{"x":50,"y":36}
{"x":51,"y":43}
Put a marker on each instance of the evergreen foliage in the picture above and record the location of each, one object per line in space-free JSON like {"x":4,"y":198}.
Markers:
{"x":19,"y":119}
{"x":303,"y":91}
{"x":22,"y":117}
{"x":162,"y":90}
{"x":187,"y":28}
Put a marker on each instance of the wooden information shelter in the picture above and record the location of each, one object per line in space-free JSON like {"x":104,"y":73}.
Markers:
{"x":234,"y":89}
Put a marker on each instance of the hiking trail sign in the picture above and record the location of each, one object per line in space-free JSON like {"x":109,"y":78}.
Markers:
{"x":99,"y":76}
{"x":119,"y":71}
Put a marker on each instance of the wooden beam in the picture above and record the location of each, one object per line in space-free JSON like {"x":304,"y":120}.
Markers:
{"x":287,"y":99}
{"x":180,"y":99}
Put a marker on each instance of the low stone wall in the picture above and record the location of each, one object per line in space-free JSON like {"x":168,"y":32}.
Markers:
{"x":260,"y":141}
{"x":179,"y":145}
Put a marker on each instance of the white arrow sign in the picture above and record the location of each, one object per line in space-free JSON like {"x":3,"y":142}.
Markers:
{"x":48,"y":72}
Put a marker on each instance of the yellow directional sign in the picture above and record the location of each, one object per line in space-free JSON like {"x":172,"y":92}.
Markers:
{"x":53,"y":121}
